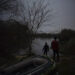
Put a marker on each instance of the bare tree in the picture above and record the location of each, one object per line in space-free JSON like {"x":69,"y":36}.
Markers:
{"x":6,"y":5}
{"x":11,"y":7}
{"x":36,"y":13}
{"x":33,"y":12}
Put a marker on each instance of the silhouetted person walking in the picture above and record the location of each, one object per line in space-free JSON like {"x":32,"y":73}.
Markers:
{"x":55,"y":48}
{"x":45,"y":49}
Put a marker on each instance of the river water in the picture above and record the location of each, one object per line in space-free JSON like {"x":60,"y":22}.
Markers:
{"x":38,"y":44}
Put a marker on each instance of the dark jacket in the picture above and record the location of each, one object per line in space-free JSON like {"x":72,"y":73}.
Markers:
{"x":46,"y":48}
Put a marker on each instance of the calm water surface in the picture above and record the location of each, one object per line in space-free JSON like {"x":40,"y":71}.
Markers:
{"x":38,"y":44}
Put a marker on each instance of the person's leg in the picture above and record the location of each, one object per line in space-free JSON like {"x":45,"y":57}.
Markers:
{"x":46,"y":53}
{"x":57,"y":55}
{"x":53,"y":54}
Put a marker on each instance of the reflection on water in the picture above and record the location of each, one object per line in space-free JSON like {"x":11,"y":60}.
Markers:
{"x":38,"y":44}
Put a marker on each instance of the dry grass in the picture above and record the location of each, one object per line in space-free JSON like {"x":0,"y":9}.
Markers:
{"x":66,"y":65}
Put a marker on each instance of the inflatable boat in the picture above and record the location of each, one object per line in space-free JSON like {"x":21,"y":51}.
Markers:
{"x":34,"y":66}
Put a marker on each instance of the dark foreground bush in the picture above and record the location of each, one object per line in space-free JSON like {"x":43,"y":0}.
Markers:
{"x":13,"y":36}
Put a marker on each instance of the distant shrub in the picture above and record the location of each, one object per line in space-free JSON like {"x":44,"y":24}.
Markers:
{"x":69,"y":47}
{"x":67,"y":34}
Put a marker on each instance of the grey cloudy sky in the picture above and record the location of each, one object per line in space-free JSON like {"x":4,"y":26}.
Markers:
{"x":63,"y":12}
{"x":63,"y":16}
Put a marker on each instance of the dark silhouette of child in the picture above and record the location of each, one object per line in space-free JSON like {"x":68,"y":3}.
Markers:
{"x":45,"y":49}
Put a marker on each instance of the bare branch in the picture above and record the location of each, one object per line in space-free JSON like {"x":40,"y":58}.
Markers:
{"x":6,"y":4}
{"x":38,"y":14}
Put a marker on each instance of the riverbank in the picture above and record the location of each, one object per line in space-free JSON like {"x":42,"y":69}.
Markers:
{"x":67,"y":62}
{"x":66,"y":65}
